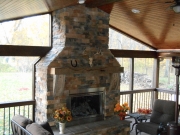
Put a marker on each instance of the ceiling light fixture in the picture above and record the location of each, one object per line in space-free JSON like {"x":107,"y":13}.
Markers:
{"x":136,"y":11}
{"x":81,"y":1}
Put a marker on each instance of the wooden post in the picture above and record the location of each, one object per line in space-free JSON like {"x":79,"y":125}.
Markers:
{"x":131,"y":83}
{"x":177,"y":95}
{"x":155,"y":80}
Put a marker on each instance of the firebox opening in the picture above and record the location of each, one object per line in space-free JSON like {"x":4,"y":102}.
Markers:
{"x":85,"y":105}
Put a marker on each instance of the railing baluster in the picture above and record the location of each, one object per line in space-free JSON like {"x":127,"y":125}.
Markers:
{"x":9,"y":118}
{"x":149,"y":95}
{"x":24,"y":111}
{"x":137,"y":106}
{"x":134,"y":101}
{"x":4,"y":121}
{"x":8,"y":110}
{"x":143,"y":99}
{"x":19,"y":110}
{"x":125,"y":98}
{"x":14,"y":110}
{"x":147,"y":101}
{"x":140,"y":95}
{"x":28,"y":111}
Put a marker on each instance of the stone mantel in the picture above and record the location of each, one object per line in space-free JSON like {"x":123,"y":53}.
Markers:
{"x":87,"y":70}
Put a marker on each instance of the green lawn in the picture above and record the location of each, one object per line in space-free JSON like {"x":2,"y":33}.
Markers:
{"x":15,"y":87}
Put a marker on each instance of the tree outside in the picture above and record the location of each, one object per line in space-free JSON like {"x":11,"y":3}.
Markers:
{"x":16,"y":72}
{"x":31,"y":31}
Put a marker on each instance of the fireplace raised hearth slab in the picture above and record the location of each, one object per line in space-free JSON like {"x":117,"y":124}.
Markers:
{"x":111,"y":126}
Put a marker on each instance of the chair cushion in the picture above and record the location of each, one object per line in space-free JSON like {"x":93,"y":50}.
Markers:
{"x":147,"y":127}
{"x":37,"y":129}
{"x":163,"y":112}
{"x":22,"y":121}
{"x":46,"y":126}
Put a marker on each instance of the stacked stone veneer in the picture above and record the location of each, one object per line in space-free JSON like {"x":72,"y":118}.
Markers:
{"x":78,"y":33}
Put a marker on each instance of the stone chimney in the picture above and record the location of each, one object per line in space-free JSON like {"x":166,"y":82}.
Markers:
{"x":79,"y":60}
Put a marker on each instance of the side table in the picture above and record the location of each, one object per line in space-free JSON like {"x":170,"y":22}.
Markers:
{"x":139,"y":118}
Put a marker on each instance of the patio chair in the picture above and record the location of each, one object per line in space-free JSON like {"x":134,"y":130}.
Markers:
{"x":163,"y":112}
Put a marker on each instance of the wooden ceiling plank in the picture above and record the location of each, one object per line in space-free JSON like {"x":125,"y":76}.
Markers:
{"x":149,"y":35}
{"x":58,"y":4}
{"x":151,"y":27}
{"x":98,"y":3}
{"x":150,"y":21}
{"x":138,"y":40}
{"x":24,"y":10}
{"x":3,"y":1}
{"x":7,"y":5}
{"x":155,"y":25}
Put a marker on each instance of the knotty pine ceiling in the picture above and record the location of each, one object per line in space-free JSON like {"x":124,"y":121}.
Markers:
{"x":156,"y":25}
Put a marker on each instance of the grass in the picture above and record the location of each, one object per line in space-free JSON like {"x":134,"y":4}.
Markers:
{"x":14,"y":87}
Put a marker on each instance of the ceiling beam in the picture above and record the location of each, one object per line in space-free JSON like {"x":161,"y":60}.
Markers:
{"x":133,"y":53}
{"x":97,"y":3}
{"x":10,"y":50}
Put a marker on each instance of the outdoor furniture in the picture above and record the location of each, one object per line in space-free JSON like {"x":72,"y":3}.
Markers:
{"x":163,"y":112}
{"x":138,"y":118}
{"x":24,"y":126}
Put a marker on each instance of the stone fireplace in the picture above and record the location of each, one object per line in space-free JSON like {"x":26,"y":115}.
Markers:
{"x":79,"y":70}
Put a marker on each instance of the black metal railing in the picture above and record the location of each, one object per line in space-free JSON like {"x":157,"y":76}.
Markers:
{"x":8,"y":110}
{"x":136,"y":99}
{"x":166,"y":94}
{"x":145,"y":98}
